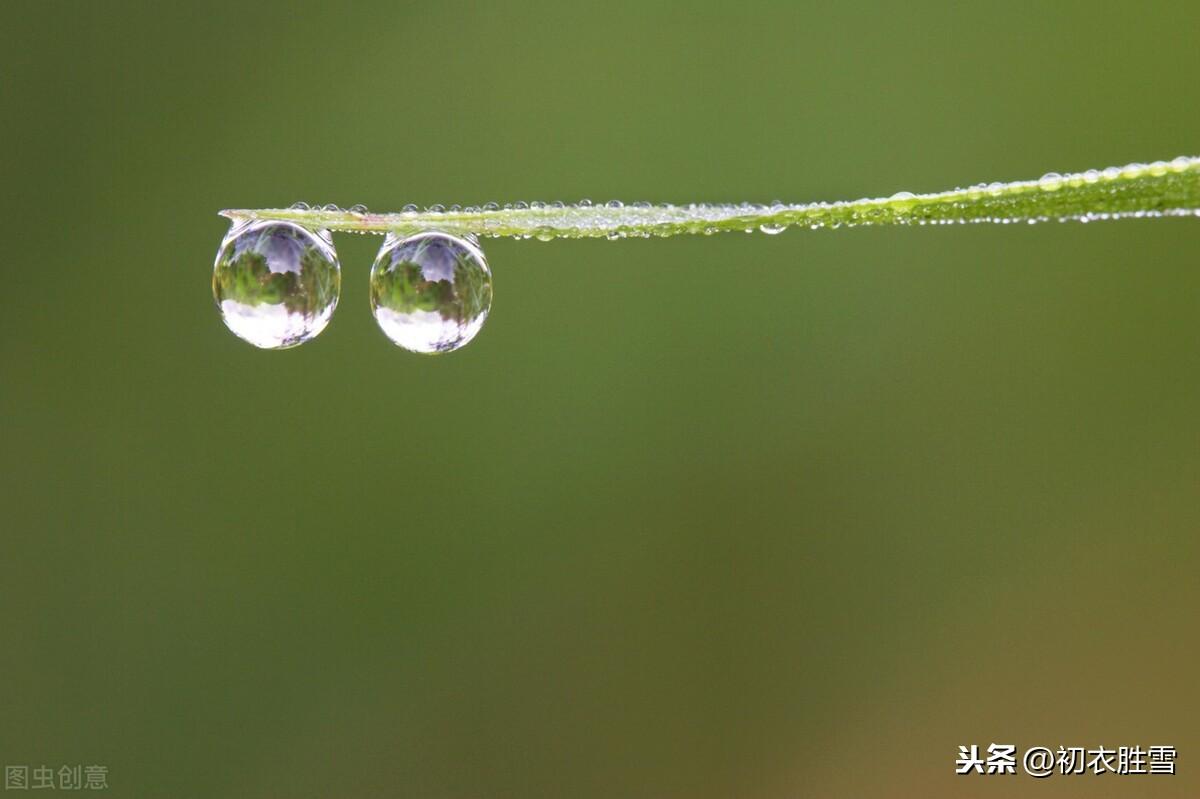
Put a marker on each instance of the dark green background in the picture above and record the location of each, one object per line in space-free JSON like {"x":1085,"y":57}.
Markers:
{"x":740,"y":516}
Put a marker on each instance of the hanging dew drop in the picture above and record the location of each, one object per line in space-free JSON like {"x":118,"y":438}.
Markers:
{"x":276,"y":283}
{"x":771,"y":228}
{"x":431,"y":292}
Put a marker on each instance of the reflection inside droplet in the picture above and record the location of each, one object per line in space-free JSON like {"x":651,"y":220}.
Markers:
{"x":276,"y":283}
{"x":430,"y":292}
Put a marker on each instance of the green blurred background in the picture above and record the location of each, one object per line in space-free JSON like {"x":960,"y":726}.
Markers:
{"x":740,"y":516}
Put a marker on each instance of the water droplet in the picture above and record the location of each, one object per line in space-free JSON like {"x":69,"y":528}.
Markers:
{"x":436,"y":208}
{"x":276,"y":283}
{"x":330,"y":207}
{"x":491,"y":206}
{"x":771,"y":228}
{"x":1051,"y":181}
{"x":300,"y":206}
{"x":410,"y":208}
{"x":430,"y":292}
{"x":358,"y":209}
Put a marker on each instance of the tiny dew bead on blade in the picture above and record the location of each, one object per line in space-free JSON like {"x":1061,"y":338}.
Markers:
{"x":276,"y":283}
{"x":430,"y":292}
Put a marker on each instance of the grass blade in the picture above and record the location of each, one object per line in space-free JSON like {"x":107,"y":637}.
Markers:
{"x":1138,"y":190}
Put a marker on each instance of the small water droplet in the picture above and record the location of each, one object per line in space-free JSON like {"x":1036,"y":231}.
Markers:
{"x":358,"y":209}
{"x":276,"y":283}
{"x":300,"y":206}
{"x":1051,"y":181}
{"x":430,"y":292}
{"x":330,"y":207}
{"x":409,"y":208}
{"x":771,"y":228}
{"x":491,"y":206}
{"x":436,"y":208}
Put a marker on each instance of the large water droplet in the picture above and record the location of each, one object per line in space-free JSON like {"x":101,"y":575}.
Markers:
{"x":276,"y":283}
{"x":430,"y":292}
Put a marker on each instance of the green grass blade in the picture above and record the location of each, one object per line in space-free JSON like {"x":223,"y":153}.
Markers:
{"x":1138,"y":190}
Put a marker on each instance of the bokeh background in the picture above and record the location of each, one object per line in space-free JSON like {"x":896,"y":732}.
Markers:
{"x":740,"y":516}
